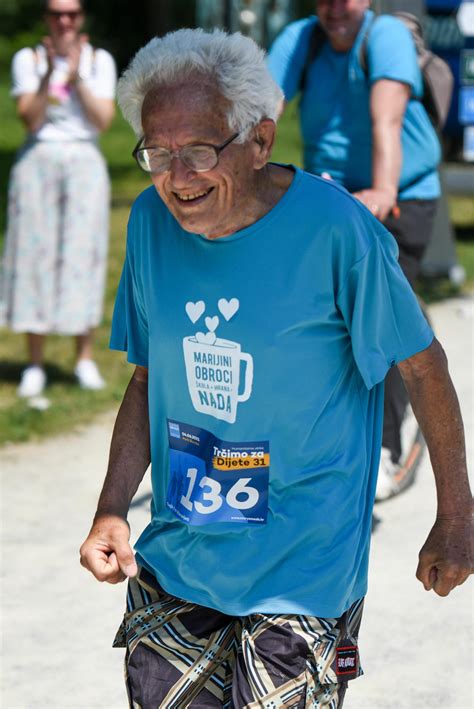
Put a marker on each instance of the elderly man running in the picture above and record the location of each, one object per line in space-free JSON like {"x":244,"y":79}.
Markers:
{"x":262,"y":307}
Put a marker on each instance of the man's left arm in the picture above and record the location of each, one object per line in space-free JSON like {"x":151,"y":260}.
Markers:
{"x":445,"y":559}
{"x":388,"y":102}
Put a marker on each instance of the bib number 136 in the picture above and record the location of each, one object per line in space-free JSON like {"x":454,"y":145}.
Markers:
{"x":215,"y":481}
{"x":209,"y":498}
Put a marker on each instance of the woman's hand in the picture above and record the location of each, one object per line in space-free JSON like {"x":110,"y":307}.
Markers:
{"x":74,"y":57}
{"x":47,"y":43}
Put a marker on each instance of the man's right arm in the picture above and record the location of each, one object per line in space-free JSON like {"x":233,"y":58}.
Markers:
{"x":106,"y":552}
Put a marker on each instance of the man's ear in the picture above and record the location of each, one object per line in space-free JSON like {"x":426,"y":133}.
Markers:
{"x":264,"y":138}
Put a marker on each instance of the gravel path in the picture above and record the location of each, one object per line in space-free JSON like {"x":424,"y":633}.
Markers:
{"x":58,"y":623}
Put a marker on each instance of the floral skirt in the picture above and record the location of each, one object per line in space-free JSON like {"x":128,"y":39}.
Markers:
{"x":54,"y":266}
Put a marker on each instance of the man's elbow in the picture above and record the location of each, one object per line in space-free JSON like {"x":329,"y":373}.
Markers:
{"x":140,"y":374}
{"x":431,"y":361}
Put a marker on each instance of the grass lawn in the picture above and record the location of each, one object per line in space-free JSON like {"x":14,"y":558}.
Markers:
{"x":70,"y":406}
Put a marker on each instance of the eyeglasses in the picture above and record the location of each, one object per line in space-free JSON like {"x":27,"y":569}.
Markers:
{"x":199,"y":157}
{"x":56,"y":14}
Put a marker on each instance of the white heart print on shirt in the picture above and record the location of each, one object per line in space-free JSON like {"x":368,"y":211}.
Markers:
{"x":207,"y":338}
{"x":212,"y":323}
{"x":228,"y":308}
{"x":195,"y":310}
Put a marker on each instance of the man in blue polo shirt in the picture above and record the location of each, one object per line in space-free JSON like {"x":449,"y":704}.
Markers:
{"x":362,"y":124}
{"x":262,"y":307}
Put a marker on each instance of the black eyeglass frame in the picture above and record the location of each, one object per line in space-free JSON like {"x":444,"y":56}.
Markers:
{"x":176,"y":153}
{"x":72,"y":14}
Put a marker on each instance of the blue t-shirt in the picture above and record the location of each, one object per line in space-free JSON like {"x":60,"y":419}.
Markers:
{"x":334,"y":108}
{"x":266,"y":352}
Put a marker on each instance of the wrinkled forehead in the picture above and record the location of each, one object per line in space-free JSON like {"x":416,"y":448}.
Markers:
{"x":199,"y":99}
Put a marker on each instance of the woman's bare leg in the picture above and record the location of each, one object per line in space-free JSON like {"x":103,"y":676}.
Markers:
{"x":84,"y":346}
{"x":35,"y":345}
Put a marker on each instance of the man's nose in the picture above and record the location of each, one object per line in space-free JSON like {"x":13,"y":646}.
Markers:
{"x":180,"y":173}
{"x":338,"y":6}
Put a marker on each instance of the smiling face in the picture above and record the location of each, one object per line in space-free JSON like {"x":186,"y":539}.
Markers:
{"x":64,"y":19}
{"x":341,"y":20}
{"x":217,"y":202}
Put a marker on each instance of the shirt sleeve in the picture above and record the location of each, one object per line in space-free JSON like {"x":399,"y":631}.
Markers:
{"x":25,"y":78}
{"x":381,"y":311}
{"x":287,"y":56}
{"x":130,"y":322}
{"x":392,"y":54}
{"x":104,"y":75}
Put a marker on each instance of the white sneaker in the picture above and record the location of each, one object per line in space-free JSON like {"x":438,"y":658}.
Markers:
{"x":33,"y":381}
{"x":387,"y":486}
{"x":88,"y":375}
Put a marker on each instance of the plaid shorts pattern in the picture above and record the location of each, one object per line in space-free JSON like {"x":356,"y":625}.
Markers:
{"x":180,"y":654}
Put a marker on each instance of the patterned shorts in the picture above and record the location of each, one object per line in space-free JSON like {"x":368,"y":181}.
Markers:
{"x":182,"y":655}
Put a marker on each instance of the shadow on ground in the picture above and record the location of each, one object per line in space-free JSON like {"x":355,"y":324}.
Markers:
{"x":465,"y":233}
{"x":10,"y":371}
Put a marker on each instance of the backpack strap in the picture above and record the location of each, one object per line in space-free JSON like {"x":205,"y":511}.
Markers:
{"x":316,"y":43}
{"x":413,"y":24}
{"x":364,"y":49}
{"x":36,"y":52}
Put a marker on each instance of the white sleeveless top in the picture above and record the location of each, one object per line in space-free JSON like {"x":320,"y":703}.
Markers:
{"x":65,"y":118}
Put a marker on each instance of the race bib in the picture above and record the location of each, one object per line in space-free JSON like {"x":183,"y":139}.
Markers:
{"x":216,"y":481}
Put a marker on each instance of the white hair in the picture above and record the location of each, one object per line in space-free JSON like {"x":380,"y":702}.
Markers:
{"x":233,"y":63}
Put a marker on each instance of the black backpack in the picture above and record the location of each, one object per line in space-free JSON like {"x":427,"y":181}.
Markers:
{"x":437,"y":76}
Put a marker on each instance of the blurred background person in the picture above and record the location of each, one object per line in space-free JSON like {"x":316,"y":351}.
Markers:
{"x":363,"y":125}
{"x":58,"y":212}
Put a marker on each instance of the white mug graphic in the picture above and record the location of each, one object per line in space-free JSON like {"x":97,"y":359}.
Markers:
{"x":213,"y":365}
{"x":213,"y":373}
